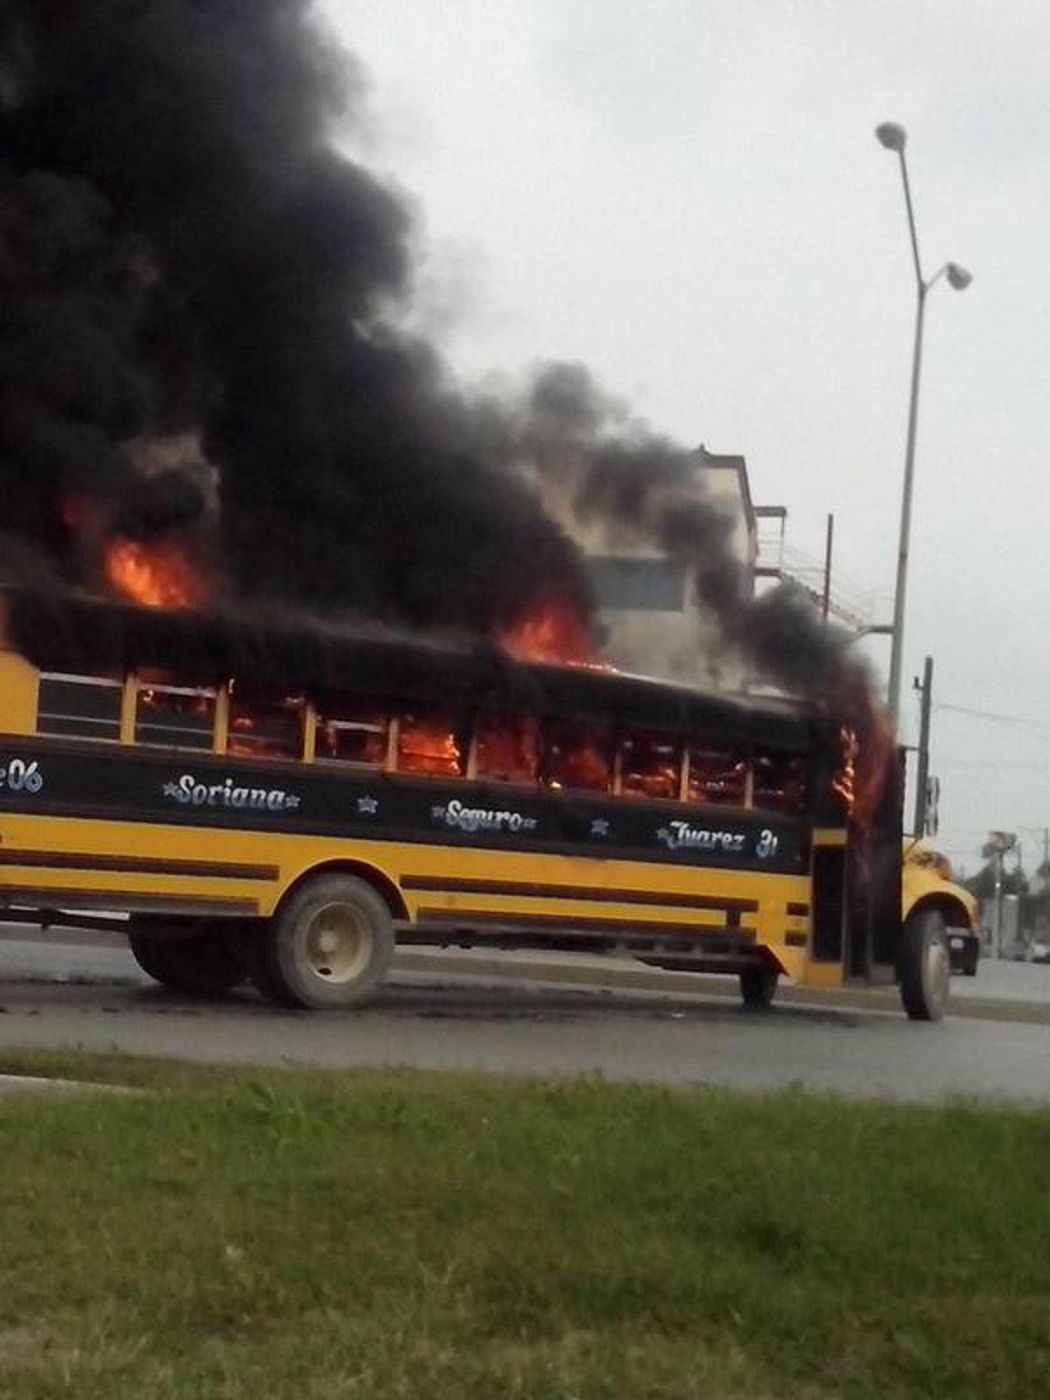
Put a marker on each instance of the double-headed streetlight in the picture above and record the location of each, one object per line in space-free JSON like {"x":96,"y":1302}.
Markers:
{"x":893,"y":137}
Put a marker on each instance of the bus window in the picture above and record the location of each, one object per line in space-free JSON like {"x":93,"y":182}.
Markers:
{"x":426,"y":743}
{"x":578,"y":756}
{"x":80,"y":707}
{"x":179,"y":717}
{"x":264,"y":725}
{"x":717,"y":775}
{"x":508,"y":747}
{"x":649,"y":766}
{"x":779,"y":781}
{"x":351,"y":731}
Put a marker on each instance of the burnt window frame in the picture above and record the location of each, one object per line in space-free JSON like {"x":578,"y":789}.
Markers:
{"x":135,"y":686}
{"x":547,"y":784}
{"x":694,"y":742}
{"x":478,"y":719}
{"x":319,"y":704}
{"x":460,"y":730}
{"x":805,"y":807}
{"x":632,"y":733}
{"x":85,"y":680}
{"x":295,"y":703}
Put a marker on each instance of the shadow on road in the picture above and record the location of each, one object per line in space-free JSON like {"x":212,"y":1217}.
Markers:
{"x":432,"y":1001}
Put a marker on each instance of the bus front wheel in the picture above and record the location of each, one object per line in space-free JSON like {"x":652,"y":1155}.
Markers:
{"x":329,"y":946}
{"x":758,"y":987}
{"x":199,"y":964}
{"x":925,"y":966}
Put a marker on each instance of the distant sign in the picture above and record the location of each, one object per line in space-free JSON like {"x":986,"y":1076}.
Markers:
{"x":998,"y":843}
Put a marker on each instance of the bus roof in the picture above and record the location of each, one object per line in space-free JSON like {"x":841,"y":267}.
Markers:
{"x":81,"y":634}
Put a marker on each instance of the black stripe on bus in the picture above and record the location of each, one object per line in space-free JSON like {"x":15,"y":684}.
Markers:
{"x":24,"y":897}
{"x":573,"y":923}
{"x":140,"y":865}
{"x":450,"y":884}
{"x":795,"y":940}
{"x":798,"y":911}
{"x":398,"y":835}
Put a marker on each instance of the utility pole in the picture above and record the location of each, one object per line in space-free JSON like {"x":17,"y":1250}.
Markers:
{"x":893,"y":136}
{"x":826,"y":601}
{"x":999,"y":904}
{"x":996,"y":847}
{"x":922,"y":773}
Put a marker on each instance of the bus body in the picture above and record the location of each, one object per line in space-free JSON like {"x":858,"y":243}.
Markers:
{"x":283,"y":803}
{"x":926,"y":882}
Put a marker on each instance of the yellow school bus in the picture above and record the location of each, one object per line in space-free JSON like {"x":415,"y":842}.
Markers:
{"x":284,"y":803}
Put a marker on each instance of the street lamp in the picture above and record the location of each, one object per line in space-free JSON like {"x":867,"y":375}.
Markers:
{"x":893,"y":137}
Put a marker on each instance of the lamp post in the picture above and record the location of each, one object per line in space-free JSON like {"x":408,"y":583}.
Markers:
{"x":893,"y":137}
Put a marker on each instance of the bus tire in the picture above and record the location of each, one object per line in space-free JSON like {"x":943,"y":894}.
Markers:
{"x":201,"y":964}
{"x":329,"y":946}
{"x":758,"y":987}
{"x":925,"y":966}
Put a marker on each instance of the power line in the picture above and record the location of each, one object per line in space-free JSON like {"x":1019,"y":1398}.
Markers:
{"x":1020,"y":720}
{"x":983,"y":764}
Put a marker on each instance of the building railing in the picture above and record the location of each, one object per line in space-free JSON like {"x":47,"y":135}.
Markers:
{"x":848,"y":602}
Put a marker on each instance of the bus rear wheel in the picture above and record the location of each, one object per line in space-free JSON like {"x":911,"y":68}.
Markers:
{"x":328,"y":947}
{"x":925,"y":966}
{"x":201,"y":963}
{"x":758,"y":987}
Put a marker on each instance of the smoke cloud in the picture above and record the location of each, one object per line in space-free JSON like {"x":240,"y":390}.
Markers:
{"x":644,"y":489}
{"x":201,"y":297}
{"x":185,"y":256}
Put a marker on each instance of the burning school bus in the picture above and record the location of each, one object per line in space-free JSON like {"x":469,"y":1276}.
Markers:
{"x":285,"y":803}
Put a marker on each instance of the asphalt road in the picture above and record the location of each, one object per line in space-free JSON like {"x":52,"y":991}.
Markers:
{"x":85,"y":990}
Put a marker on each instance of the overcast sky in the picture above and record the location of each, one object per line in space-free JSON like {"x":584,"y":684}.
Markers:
{"x":687,"y":195}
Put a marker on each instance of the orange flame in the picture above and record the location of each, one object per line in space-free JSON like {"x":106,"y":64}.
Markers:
{"x":427,"y":746}
{"x":158,"y":575}
{"x":867,"y":756}
{"x":876,"y":754}
{"x":554,"y":632}
{"x":844,"y":782}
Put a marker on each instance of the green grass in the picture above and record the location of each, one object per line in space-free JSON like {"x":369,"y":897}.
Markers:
{"x":268,"y":1235}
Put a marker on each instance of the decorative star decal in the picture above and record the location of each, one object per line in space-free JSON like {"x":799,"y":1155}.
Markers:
{"x":438,"y":813}
{"x":367,"y":806}
{"x":171,"y":789}
{"x":599,"y":827}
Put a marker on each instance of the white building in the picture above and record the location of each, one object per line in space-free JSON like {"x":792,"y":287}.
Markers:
{"x":647,"y":604}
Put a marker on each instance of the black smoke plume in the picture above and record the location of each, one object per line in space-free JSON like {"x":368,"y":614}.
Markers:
{"x":185,"y":256}
{"x":199,"y":298}
{"x":644,"y":488}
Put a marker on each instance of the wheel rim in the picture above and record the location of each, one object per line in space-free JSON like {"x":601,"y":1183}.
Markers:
{"x":937,"y":970}
{"x":336,"y":944}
